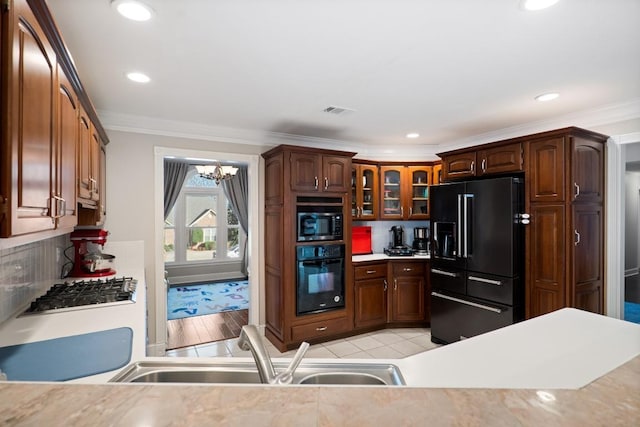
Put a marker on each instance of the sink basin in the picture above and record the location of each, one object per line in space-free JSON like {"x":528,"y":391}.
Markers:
{"x":176,"y":371}
{"x":344,"y":378}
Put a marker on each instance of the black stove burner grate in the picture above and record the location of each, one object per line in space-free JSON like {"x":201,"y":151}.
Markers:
{"x":84,"y":292}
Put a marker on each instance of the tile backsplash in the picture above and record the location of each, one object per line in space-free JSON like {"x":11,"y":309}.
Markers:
{"x":381,"y":236}
{"x":28,"y":271}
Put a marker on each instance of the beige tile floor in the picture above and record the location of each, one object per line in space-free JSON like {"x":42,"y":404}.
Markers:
{"x":383,"y":344}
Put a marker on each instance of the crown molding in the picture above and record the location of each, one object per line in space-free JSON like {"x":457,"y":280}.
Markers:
{"x":603,"y":115}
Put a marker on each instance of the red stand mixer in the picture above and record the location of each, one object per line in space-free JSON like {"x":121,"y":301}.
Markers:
{"x":89,"y":261}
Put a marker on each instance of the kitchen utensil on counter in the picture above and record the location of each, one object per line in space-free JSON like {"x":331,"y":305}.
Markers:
{"x":397,"y":236}
{"x":361,"y":240}
{"x":421,"y":240}
{"x":89,"y":261}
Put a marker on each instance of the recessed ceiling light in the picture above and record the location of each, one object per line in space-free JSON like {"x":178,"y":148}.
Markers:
{"x":547,"y":97}
{"x":412,"y":135}
{"x":138,"y":77}
{"x":133,"y":9}
{"x":537,"y":4}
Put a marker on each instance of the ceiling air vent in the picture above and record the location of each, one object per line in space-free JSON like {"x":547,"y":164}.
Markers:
{"x":332,"y":109}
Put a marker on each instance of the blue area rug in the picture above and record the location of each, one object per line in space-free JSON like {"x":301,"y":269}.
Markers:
{"x":632,"y":312}
{"x":207,"y":298}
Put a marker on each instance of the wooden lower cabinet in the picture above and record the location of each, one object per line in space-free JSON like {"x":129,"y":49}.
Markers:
{"x":391,"y":293}
{"x":370,"y":295}
{"x":408,"y":292}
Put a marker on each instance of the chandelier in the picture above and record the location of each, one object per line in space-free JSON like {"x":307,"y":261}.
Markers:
{"x":216,"y":172}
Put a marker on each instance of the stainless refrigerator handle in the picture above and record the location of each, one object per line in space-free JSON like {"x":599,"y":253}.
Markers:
{"x":444,"y":273}
{"x":472,"y":304}
{"x":458,"y":237}
{"x":466,"y":197}
{"x":483,"y":280}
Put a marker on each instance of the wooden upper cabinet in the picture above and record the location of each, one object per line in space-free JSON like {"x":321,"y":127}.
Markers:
{"x":336,"y":172}
{"x":364,"y":191}
{"x":317,"y":172}
{"x":66,"y":150}
{"x":546,"y":170}
{"x":28,"y":139}
{"x":84,"y":157}
{"x":273,"y":190}
{"x":404,"y":192}
{"x":436,"y":174}
{"x":458,"y":166}
{"x":501,"y":159}
{"x":587,"y":183}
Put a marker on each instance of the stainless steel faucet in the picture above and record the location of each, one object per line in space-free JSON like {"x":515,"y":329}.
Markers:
{"x":250,"y":340}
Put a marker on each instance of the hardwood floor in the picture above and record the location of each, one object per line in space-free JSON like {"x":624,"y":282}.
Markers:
{"x":203,"y":329}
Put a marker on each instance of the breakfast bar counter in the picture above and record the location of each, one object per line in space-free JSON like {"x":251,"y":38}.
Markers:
{"x":565,"y":368}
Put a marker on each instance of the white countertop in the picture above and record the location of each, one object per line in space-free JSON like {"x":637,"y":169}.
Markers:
{"x":384,"y":257}
{"x":129,"y":262}
{"x":566,"y":349}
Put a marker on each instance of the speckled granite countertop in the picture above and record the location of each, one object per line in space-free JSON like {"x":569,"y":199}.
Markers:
{"x":612,"y":400}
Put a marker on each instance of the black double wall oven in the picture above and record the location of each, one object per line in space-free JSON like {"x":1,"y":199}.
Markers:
{"x":320,"y":256}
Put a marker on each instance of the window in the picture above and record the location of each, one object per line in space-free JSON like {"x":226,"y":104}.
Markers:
{"x":202,"y":227}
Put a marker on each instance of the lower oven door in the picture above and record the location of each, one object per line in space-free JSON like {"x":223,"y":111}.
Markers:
{"x":455,"y":317}
{"x":320,"y":285}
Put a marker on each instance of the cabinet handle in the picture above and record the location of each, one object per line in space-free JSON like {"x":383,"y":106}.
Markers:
{"x":58,"y":211}
{"x":315,"y":180}
{"x":577,"y":237}
{"x":326,"y":183}
{"x":371,"y":271}
{"x":473,"y":167}
{"x":395,"y":284}
{"x":411,"y":211}
{"x":407,"y":269}
{"x":484,"y":165}
{"x":402,"y":210}
{"x":386,"y":285}
{"x":321,"y":328}
{"x":577,"y":192}
{"x":93,"y":184}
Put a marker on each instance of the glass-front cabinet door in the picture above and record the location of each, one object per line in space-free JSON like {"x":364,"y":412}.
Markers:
{"x":420,"y":177}
{"x":364,"y":188}
{"x":392,"y":188}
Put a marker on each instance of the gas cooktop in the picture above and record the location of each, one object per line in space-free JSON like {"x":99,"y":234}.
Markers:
{"x":85,"y":294}
{"x":399,"y":251}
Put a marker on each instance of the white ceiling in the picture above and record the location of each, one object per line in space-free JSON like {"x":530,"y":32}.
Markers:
{"x":451,"y":70}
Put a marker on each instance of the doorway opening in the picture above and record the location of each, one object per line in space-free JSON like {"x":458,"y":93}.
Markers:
{"x":205,"y":251}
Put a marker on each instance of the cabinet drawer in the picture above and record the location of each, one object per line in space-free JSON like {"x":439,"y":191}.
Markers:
{"x":407,"y":269}
{"x":370,"y":271}
{"x":320,"y":329}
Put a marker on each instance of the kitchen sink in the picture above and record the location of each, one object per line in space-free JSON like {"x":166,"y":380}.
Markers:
{"x":175,"y":371}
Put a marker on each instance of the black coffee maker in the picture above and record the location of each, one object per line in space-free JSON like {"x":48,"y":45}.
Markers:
{"x":421,"y":240}
{"x":397,"y":237}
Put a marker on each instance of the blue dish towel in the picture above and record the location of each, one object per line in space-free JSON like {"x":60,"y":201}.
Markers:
{"x":67,"y":358}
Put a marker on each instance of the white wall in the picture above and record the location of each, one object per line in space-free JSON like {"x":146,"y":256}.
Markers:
{"x":130,"y":195}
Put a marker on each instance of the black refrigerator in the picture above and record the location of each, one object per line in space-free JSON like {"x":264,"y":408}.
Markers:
{"x":477,"y":257}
